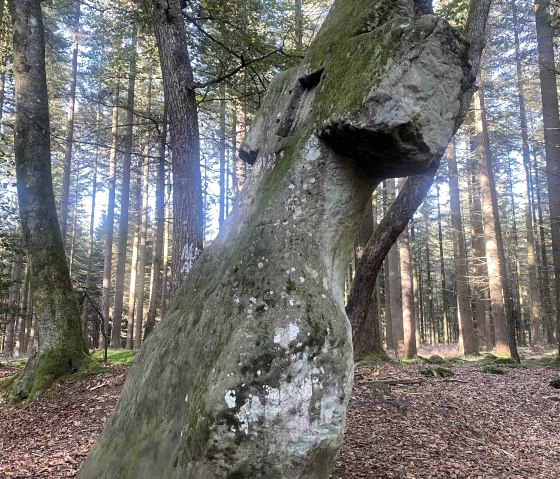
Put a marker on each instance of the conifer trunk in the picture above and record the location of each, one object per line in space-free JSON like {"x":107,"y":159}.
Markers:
{"x":551,"y":124}
{"x":468,"y":343}
{"x":61,"y":349}
{"x":125,"y":198}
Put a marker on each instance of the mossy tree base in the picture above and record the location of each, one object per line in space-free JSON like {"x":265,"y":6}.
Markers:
{"x":250,"y":373}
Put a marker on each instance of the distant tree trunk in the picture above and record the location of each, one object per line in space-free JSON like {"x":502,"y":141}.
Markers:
{"x":24,"y":324}
{"x":165,"y":262}
{"x":131,"y":323}
{"x":61,"y":348}
{"x":13,"y":306}
{"x":393,"y":263}
{"x":70,"y":125}
{"x":445,"y":302}
{"x":89,"y":263}
{"x":468,"y":343}
{"x":409,"y":326}
{"x":496,"y":280}
{"x":551,"y":124}
{"x":155,"y":297}
{"x":430,"y":305}
{"x":143,"y":233}
{"x":417,"y":287}
{"x":110,"y":220}
{"x":543,"y":257}
{"x":125,"y":198}
{"x":178,"y":86}
{"x":298,"y":25}
{"x":480,"y":272}
{"x":534,"y":296}
{"x":222,"y":149}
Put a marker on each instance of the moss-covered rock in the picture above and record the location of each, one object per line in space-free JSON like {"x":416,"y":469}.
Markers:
{"x":436,"y":359}
{"x":250,"y":373}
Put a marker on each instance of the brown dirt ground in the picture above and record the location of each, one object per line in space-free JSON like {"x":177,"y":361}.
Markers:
{"x":472,"y":425}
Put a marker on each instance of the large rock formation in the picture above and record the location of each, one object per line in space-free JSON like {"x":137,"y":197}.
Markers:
{"x":250,"y":373}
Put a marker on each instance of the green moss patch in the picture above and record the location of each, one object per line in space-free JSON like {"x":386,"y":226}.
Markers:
{"x":555,"y":383}
{"x":491,"y":369}
{"x":121,"y":357}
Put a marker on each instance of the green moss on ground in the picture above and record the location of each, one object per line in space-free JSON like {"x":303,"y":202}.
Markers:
{"x":491,"y":369}
{"x":436,"y":359}
{"x":121,"y":357}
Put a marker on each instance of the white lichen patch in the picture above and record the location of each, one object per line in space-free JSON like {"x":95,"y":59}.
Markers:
{"x":230,"y":398}
{"x":284,"y":336}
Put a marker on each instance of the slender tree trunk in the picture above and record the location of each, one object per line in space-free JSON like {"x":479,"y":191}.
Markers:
{"x":23,"y":315}
{"x":393,"y":262}
{"x":417,"y":287}
{"x":543,"y":255}
{"x":143,"y":233}
{"x":165,"y":263}
{"x":468,"y":343}
{"x":445,"y":302}
{"x":13,"y":306}
{"x":155,"y":297}
{"x":70,"y":125}
{"x":89,"y":264}
{"x":178,"y":86}
{"x":534,"y":296}
{"x":222,"y":149}
{"x":496,"y":280}
{"x":61,"y":349}
{"x":132,"y":288}
{"x":110,"y":220}
{"x":409,"y":326}
{"x":551,"y":124}
{"x":125,"y":199}
{"x":298,"y":25}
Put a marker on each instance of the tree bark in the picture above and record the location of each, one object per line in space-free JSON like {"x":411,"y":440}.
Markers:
{"x":444,"y":300}
{"x":178,"y":86}
{"x":61,"y":349}
{"x":551,"y":124}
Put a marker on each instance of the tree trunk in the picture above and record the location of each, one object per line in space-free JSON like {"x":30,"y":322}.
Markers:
{"x":61,"y":349}
{"x":468,"y":343}
{"x":489,"y":214}
{"x":24,"y":323}
{"x":69,"y":142}
{"x":160,"y":226}
{"x":89,"y":263}
{"x":255,"y":355}
{"x":534,"y":296}
{"x":116,"y":341}
{"x":131,"y":323}
{"x":13,"y":306}
{"x":409,"y":326}
{"x":178,"y":86}
{"x":110,"y":221}
{"x":551,"y":124}
{"x":143,"y":233}
{"x":445,"y":302}
{"x":222,"y":150}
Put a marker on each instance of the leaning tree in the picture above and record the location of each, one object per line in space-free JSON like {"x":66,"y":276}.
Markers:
{"x":250,"y":372}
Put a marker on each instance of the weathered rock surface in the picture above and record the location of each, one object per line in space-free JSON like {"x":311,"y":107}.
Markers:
{"x":250,"y":373}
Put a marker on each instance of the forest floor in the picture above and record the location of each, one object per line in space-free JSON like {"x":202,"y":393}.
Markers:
{"x":401,"y":423}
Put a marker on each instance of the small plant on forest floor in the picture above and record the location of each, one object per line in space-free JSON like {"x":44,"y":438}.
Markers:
{"x":491,"y":369}
{"x":436,"y":359}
